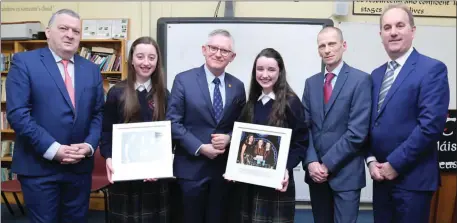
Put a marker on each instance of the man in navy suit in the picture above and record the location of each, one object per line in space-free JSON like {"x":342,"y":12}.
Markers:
{"x":337,"y":103}
{"x":205,"y":102}
{"x":54,"y":105}
{"x":409,"y":111}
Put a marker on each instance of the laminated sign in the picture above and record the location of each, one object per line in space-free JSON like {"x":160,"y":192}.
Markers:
{"x":447,"y":146}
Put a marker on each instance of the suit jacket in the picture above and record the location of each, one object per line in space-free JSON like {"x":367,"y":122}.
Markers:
{"x":339,"y":128}
{"x":40,"y":111}
{"x":192,"y":122}
{"x":411,"y":121}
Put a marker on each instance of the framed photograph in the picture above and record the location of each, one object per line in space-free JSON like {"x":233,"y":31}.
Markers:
{"x":258,"y":154}
{"x":142,"y":150}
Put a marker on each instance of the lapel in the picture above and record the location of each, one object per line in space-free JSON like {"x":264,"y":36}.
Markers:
{"x":79,"y":80}
{"x":203,"y":84}
{"x":48,"y":60}
{"x":229,"y":94}
{"x":319,"y":83}
{"x":341,"y":79}
{"x":404,"y":72}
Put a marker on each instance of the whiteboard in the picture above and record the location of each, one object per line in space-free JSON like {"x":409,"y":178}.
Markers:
{"x":181,"y":39}
{"x":366,"y":52}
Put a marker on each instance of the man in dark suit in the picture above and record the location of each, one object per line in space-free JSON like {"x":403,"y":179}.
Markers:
{"x":337,"y":103}
{"x":409,"y":111}
{"x":205,"y":102}
{"x":54,"y":105}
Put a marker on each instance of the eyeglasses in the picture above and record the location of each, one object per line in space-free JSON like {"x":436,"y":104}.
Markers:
{"x":214,"y":49}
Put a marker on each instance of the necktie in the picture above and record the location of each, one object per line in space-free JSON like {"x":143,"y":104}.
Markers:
{"x":68,"y":82}
{"x":328,"y":87}
{"x":217,"y":100}
{"x":387,"y":82}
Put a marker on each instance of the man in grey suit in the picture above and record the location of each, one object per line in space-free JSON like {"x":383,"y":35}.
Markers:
{"x":337,"y":105}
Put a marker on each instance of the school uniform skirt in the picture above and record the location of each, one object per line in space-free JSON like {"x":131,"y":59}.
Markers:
{"x":257,"y":204}
{"x":138,"y":201}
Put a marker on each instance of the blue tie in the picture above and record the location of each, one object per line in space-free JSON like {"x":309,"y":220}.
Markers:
{"x":217,"y":100}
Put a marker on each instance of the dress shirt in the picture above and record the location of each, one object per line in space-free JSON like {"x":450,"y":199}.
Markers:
{"x":335,"y":71}
{"x":266,"y":97}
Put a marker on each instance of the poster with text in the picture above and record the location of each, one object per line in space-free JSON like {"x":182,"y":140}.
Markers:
{"x":447,"y":145}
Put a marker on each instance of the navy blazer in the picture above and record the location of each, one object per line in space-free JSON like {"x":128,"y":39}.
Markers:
{"x":339,"y":128}
{"x":40,"y":111}
{"x":192,"y":122}
{"x":411,"y":121}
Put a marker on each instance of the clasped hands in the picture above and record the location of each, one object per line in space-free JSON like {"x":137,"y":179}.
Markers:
{"x":217,"y":147}
{"x":318,"y":172}
{"x":382,"y":171}
{"x":73,"y":153}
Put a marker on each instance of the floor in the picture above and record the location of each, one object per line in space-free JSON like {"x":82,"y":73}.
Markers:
{"x":302,"y":216}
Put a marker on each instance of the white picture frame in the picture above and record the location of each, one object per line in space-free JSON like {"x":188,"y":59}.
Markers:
{"x":142,"y":150}
{"x":258,"y":167}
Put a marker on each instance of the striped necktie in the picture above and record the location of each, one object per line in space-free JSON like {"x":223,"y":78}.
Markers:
{"x":389,"y":79}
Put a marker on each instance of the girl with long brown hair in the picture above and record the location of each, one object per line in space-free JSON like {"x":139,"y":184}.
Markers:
{"x":142,"y":97}
{"x":272,"y":102}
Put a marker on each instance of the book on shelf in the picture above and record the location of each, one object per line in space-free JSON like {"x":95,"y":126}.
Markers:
{"x":106,"y":58}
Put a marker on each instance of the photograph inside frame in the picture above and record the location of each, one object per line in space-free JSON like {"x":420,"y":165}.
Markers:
{"x":259,"y":150}
{"x":141,"y":146}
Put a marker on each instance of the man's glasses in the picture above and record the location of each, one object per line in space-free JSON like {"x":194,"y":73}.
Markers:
{"x":214,"y":49}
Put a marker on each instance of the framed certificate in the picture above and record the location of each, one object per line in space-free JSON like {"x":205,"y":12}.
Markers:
{"x":142,"y":150}
{"x":258,"y":154}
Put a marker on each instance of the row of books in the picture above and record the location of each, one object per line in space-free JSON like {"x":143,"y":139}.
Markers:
{"x":5,"y":61}
{"x":4,"y":124}
{"x":105,"y":57}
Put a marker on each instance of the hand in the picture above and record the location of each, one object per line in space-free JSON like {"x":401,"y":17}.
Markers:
{"x":285,"y":182}
{"x":82,"y":150}
{"x":68,"y":155}
{"x":220,"y":141}
{"x":223,"y":175}
{"x":150,"y":180}
{"x":109,"y":170}
{"x":209,"y":151}
{"x":387,"y":171}
{"x":375,"y":171}
{"x":317,"y":172}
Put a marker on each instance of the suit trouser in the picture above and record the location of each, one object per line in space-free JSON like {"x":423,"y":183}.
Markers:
{"x":395,"y":205}
{"x":330,"y":206}
{"x":204,"y":201}
{"x":59,"y":198}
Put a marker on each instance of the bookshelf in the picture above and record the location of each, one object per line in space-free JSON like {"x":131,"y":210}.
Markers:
{"x":113,"y":68}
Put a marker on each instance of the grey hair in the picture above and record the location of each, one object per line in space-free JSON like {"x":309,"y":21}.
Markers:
{"x":222,"y":32}
{"x":63,"y":11}
{"x":398,"y":6}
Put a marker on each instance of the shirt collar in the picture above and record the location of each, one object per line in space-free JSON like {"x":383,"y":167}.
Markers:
{"x":57,"y":58}
{"x":402,"y":60}
{"x":210,"y":77}
{"x":337,"y":69}
{"x":146,"y":85}
{"x":270,"y":95}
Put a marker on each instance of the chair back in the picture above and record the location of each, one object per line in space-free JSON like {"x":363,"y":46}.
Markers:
{"x":99,"y":164}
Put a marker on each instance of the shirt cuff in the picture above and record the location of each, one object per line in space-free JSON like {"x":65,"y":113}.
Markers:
{"x":197,"y":153}
{"x":52,"y":150}
{"x":91,"y":149}
{"x":371,"y":159}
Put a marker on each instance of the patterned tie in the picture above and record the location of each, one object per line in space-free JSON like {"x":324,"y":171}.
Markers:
{"x":68,"y":82}
{"x":328,"y":87}
{"x":387,"y":82}
{"x":217,"y":100}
